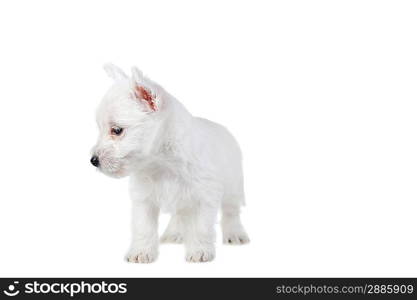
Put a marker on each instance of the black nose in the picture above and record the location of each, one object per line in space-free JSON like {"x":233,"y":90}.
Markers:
{"x":94,"y":161}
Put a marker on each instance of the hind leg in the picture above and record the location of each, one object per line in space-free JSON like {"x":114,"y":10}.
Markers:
{"x":233,"y":231}
{"x":173,"y":233}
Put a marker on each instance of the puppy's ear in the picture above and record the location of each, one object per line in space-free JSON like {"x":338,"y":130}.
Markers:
{"x":144,"y":90}
{"x":114,"y":72}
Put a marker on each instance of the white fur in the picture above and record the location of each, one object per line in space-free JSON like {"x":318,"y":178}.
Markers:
{"x":187,"y":166}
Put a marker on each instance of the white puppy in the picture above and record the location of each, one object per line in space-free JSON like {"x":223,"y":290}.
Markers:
{"x":177,"y":163}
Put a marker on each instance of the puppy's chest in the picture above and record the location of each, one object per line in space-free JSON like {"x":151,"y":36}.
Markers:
{"x":171,"y":192}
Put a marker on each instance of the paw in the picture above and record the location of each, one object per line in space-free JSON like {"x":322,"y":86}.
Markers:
{"x":202,"y":255}
{"x":235,"y":238}
{"x":142,"y":256}
{"x":174,"y":238}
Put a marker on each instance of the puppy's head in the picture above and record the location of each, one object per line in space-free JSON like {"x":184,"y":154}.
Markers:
{"x":128,"y":119}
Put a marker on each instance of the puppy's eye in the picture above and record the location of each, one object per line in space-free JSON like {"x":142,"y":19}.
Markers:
{"x":115,"y":130}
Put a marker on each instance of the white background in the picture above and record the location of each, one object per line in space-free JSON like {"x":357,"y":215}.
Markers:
{"x":321,"y":95}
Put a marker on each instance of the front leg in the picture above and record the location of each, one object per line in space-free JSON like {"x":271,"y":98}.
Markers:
{"x":144,"y":247}
{"x":199,"y":233}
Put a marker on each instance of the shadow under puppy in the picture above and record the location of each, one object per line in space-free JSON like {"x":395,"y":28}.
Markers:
{"x":180,"y":164}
